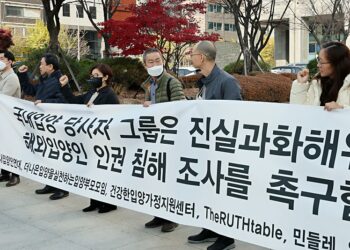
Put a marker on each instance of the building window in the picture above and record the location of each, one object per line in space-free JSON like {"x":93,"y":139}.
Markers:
{"x":18,"y":31}
{"x":214,"y":26}
{"x":66,"y":9}
{"x":80,"y":11}
{"x":93,"y":11}
{"x":312,"y":48}
{"x":229,"y":27}
{"x":215,"y":8}
{"x":14,"y":11}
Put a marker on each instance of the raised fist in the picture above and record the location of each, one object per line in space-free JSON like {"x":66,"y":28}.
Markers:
{"x":23,"y":69}
{"x":64,"y":80}
{"x":303,"y":76}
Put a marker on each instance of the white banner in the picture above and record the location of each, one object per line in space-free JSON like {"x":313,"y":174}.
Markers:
{"x":276,"y":175}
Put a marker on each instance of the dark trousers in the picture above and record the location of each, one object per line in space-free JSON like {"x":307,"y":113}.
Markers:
{"x":164,"y":221}
{"x":214,"y":234}
{"x":7,"y":173}
{"x":56,"y":190}
{"x":100,"y":204}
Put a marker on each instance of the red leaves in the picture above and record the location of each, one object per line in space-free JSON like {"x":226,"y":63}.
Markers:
{"x":5,"y":39}
{"x":153,"y":21}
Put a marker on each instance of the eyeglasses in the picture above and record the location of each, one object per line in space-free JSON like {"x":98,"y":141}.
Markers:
{"x":195,"y":54}
{"x":319,"y":62}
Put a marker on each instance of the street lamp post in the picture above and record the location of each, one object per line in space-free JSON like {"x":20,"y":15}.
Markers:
{"x":78,"y":32}
{"x":78,"y":56}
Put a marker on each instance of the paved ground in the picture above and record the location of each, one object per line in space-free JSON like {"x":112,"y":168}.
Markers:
{"x":29,"y":221}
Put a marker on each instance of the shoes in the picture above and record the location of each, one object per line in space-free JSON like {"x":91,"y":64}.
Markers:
{"x":46,"y":190}
{"x":155,"y":222}
{"x":169,"y":227}
{"x":90,"y":208}
{"x":222,"y":243}
{"x":204,"y":236}
{"x":14,"y":180}
{"x":4,"y":177}
{"x":106,"y":209}
{"x":59,"y":195}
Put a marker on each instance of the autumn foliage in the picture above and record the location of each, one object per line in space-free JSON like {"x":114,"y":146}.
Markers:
{"x":156,"y":23}
{"x":266,"y":87}
{"x":5,"y":39}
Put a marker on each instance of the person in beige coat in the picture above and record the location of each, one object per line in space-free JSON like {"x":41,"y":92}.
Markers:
{"x":331,"y":87}
{"x":9,"y":85}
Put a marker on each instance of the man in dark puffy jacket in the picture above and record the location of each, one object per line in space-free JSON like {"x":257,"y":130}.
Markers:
{"x":160,"y":87}
{"x":48,"y":90}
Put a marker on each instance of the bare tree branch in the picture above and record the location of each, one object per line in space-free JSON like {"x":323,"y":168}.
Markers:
{"x":253,"y":32}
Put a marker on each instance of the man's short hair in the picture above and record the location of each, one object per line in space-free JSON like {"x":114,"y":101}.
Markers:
{"x":8,"y":55}
{"x":149,"y":51}
{"x":208,"y":49}
{"x":52,"y":59}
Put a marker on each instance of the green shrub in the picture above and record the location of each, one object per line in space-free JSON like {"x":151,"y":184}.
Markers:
{"x":312,"y":66}
{"x":84,"y":72}
{"x":128,"y":72}
{"x":238,"y":68}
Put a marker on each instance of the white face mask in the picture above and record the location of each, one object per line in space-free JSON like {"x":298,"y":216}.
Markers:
{"x":2,"y":66}
{"x":155,"y":70}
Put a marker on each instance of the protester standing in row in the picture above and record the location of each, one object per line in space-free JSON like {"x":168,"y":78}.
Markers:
{"x":216,"y":84}
{"x":9,"y":85}
{"x":160,"y":87}
{"x":48,"y":90}
{"x":101,"y":92}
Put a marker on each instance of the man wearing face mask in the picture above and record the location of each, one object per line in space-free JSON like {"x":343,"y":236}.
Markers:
{"x":48,"y":90}
{"x":160,"y":87}
{"x":9,"y":85}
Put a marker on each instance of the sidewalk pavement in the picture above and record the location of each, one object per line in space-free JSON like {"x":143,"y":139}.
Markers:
{"x":30,"y":221}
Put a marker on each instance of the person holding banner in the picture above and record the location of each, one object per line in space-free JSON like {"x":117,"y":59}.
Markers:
{"x":216,"y":84}
{"x":46,"y":91}
{"x":101,"y":93}
{"x":330,"y":88}
{"x":160,"y":87}
{"x":9,"y":85}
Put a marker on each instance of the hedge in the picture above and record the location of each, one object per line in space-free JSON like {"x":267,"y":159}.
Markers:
{"x":266,"y":87}
{"x":238,"y":68}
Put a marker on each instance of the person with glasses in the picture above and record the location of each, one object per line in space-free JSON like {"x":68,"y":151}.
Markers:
{"x":100,"y":92}
{"x":330,"y":88}
{"x":215,"y":84}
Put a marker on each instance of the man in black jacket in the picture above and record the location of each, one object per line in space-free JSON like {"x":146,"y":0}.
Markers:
{"x":48,"y":90}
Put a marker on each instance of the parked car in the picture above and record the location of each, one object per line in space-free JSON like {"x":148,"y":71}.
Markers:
{"x":286,"y":69}
{"x":186,"y":71}
{"x":303,"y":65}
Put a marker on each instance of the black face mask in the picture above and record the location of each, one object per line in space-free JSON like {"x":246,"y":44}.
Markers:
{"x":96,"y":82}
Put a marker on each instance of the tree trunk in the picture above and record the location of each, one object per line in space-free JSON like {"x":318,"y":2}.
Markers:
{"x":106,"y":51}
{"x":53,"y":44}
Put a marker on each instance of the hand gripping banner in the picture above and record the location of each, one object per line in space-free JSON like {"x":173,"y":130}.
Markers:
{"x":276,"y":175}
